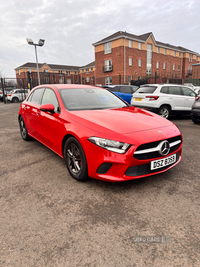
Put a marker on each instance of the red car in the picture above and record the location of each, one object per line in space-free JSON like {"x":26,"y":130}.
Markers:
{"x":98,"y":134}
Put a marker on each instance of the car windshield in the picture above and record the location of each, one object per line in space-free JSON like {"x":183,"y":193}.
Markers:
{"x":90,"y":99}
{"x":146,"y":90}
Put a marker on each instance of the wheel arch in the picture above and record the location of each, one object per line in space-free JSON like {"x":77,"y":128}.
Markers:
{"x":166,"y":105}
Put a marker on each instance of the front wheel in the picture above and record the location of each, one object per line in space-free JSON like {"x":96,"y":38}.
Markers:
{"x":195,"y":119}
{"x":164,"y":112}
{"x":75,"y":159}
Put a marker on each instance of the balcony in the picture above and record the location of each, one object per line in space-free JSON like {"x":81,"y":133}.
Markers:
{"x":107,"y":68}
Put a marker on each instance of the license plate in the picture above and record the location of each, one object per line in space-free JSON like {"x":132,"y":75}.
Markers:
{"x":138,"y":99}
{"x":160,"y":163}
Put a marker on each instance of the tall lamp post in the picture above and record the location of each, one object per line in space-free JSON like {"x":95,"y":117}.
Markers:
{"x":40,"y":43}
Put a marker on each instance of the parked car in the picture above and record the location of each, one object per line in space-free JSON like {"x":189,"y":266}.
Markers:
{"x":195,"y":112}
{"x":17,"y":95}
{"x":98,"y":134}
{"x":124,"y":91}
{"x":164,"y":99}
{"x":6,"y":91}
{"x":195,"y":88}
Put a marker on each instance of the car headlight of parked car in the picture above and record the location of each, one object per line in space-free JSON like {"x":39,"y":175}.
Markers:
{"x":111,"y":145}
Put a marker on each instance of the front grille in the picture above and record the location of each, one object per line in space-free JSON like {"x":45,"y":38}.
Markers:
{"x":152,"y":146}
{"x":145,"y":169}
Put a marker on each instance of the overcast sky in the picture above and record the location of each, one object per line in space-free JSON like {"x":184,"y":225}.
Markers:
{"x":70,"y":27}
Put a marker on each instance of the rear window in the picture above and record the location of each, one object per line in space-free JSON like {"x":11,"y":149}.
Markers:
{"x":147,"y":89}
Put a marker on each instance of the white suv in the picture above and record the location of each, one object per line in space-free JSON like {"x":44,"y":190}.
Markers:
{"x":17,"y":95}
{"x":164,"y":99}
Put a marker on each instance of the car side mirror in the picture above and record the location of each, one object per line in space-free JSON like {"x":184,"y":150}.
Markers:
{"x":48,"y":108}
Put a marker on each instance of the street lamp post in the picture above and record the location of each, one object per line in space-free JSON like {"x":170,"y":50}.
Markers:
{"x":40,"y":43}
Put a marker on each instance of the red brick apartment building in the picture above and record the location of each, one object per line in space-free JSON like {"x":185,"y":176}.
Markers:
{"x":122,"y":57}
{"x":119,"y":58}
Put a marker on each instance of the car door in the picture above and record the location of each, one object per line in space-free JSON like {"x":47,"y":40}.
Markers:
{"x":125,"y":93}
{"x":189,"y":96}
{"x":31,"y":112}
{"x":49,"y":123}
{"x":176,"y":98}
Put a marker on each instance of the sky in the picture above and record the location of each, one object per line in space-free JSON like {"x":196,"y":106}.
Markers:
{"x":70,"y":27}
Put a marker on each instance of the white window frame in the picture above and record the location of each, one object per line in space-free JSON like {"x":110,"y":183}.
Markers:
{"x":68,"y":72}
{"x":173,"y":66}
{"x":130,"y":43}
{"x":164,"y":66}
{"x":157,"y":65}
{"x":108,"y":80}
{"x":180,"y":54}
{"x":174,"y":53}
{"x":87,"y":79}
{"x":69,"y":81}
{"x":130,"y":61}
{"x":107,"y":48}
{"x":87,"y":70}
{"x":108,"y":65}
{"x":179,"y":67}
{"x":139,"y":63}
{"x":140,"y":46}
{"x":158,"y":50}
{"x":165,"y":51}
{"x":19,"y":72}
{"x":130,"y":78}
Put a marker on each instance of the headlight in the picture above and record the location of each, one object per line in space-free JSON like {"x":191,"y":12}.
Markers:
{"x":111,"y":145}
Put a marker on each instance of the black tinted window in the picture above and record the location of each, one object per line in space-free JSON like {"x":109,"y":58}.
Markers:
{"x":125,"y":89}
{"x":147,"y":89}
{"x":114,"y":89}
{"x":36,"y":96}
{"x":164,"y":90}
{"x":175,"y":90}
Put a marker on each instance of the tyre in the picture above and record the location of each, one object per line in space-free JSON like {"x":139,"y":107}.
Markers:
{"x":195,"y":119}
{"x":15,"y":100}
{"x":75,"y":159}
{"x":23,"y":130}
{"x":164,"y":112}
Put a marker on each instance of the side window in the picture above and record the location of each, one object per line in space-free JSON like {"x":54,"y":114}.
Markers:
{"x":115,"y":89}
{"x":125,"y":89}
{"x":188,"y":92}
{"x":175,"y":90}
{"x":36,"y":96}
{"x":49,"y":97}
{"x":164,"y":90}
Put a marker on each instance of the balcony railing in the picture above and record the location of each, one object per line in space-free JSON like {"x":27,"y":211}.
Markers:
{"x":107,"y":68}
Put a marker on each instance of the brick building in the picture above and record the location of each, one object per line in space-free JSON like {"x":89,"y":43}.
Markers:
{"x":52,"y":73}
{"x":122,"y":57}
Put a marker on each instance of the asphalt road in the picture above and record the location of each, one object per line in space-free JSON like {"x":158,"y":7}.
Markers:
{"x":49,"y":219}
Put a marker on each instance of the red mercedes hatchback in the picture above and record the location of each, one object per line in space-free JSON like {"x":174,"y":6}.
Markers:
{"x":98,"y":134}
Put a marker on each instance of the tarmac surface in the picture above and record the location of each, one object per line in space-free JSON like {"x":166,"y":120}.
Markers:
{"x":49,"y":219}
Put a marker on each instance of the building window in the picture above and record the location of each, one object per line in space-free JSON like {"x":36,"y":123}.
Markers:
{"x":29,"y":70}
{"x":174,"y":53}
{"x":163,"y":66}
{"x":139,"y":63}
{"x":173,"y":66}
{"x":149,"y":58}
{"x":60,"y":72}
{"x":157,"y":65}
{"x":82,"y":70}
{"x":108,"y":65}
{"x":179,"y":67}
{"x":180,"y":54}
{"x":190,"y":57}
{"x":108,"y":80}
{"x":107,"y":48}
{"x":19,"y":72}
{"x":158,"y":50}
{"x":61,"y":80}
{"x":68,"y":73}
{"x":69,"y":81}
{"x":91,"y":69}
{"x":87,"y":79}
{"x":165,"y":51}
{"x":130,"y":78}
{"x":130,"y":61}
{"x":140,"y":46}
{"x":45,"y":71}
{"x":87,"y":71}
{"x":130,"y":43}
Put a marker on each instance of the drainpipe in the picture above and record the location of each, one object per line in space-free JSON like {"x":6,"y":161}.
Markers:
{"x":125,"y":58}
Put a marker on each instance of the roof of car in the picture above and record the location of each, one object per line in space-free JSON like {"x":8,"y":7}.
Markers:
{"x":67,"y":86}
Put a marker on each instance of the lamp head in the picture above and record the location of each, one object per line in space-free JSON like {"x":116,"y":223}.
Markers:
{"x":29,"y":41}
{"x":41,"y":42}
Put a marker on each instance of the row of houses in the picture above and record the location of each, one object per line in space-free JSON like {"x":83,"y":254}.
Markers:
{"x":120,"y":58}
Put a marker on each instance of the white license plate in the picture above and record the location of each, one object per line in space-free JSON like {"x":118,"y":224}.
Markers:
{"x":160,"y":163}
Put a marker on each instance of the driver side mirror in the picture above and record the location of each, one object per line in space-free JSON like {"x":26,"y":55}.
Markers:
{"x":48,"y":108}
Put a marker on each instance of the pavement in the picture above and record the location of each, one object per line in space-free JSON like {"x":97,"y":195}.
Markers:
{"x":49,"y":219}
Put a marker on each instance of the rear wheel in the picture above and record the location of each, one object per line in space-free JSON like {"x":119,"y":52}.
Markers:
{"x":75,"y":159}
{"x":195,"y":119}
{"x":15,"y":100}
{"x":164,"y":112}
{"x":23,"y":129}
